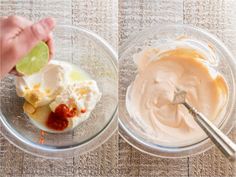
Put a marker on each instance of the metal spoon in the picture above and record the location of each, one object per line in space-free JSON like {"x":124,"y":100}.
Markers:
{"x":227,"y":146}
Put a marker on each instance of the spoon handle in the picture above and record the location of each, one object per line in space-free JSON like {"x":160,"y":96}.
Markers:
{"x":227,"y":146}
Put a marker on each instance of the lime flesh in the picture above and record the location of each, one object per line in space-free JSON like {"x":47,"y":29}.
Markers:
{"x":35,"y":60}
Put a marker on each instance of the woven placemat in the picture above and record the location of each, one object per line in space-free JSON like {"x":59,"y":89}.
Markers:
{"x":218,"y":17}
{"x":100,"y":17}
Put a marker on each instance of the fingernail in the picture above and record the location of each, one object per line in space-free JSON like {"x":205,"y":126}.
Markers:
{"x":43,"y":28}
{"x":49,"y":22}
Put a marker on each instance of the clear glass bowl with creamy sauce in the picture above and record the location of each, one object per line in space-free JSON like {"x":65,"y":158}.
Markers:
{"x":96,"y":57}
{"x":166,"y":38}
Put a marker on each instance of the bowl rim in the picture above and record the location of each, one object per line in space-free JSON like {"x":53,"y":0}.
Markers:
{"x":85,"y":146}
{"x":184,"y":151}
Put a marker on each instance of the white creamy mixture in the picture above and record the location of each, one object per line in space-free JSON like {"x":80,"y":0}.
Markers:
{"x":58,"y":83}
{"x":149,"y":98}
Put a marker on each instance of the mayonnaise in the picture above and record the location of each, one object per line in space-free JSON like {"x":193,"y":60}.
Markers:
{"x":59,"y":83}
{"x":149,"y":98}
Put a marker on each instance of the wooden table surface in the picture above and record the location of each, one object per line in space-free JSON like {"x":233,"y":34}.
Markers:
{"x":116,"y":157}
{"x":100,"y":17}
{"x":216,"y":16}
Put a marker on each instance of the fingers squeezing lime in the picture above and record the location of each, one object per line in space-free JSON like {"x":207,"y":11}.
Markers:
{"x":35,"y":60}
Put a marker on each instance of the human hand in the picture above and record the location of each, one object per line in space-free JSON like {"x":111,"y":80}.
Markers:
{"x":18,"y":36}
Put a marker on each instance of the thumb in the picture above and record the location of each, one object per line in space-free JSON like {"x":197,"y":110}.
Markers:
{"x":31,"y":35}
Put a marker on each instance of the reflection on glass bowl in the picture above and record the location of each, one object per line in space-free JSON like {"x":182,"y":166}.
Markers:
{"x":166,"y":38}
{"x":92,"y":54}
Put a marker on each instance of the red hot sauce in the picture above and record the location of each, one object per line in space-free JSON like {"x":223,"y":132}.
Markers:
{"x":58,"y":120}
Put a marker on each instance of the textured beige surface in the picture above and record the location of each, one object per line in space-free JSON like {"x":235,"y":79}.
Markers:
{"x":219,"y":17}
{"x":100,"y":17}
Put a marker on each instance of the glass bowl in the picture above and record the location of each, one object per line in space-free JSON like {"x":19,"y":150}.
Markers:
{"x":93,"y":55}
{"x":158,"y":36}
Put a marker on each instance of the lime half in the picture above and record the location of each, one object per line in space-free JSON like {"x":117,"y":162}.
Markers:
{"x":35,"y":60}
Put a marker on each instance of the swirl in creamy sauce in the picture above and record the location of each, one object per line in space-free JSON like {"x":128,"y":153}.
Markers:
{"x":149,"y":97}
